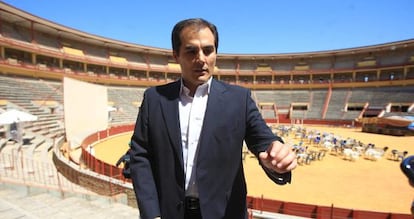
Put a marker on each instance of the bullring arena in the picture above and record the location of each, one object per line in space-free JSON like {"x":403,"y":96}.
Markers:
{"x":318,"y":102}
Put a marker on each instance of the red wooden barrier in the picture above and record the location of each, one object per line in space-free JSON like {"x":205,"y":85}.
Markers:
{"x":401,"y":216}
{"x":370,"y":215}
{"x":250,"y":202}
{"x":324,"y":212}
{"x":298,"y":209}
{"x":269,"y":205}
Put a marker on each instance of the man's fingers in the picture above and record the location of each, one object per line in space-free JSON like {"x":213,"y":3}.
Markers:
{"x":292,"y":165}
{"x":263,"y":155}
{"x":274,"y":148}
{"x":266,"y":159}
{"x":279,"y":157}
{"x":287,"y":161}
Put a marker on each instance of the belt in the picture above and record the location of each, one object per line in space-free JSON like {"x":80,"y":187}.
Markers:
{"x":192,"y":203}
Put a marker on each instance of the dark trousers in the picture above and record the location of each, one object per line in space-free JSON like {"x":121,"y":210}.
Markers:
{"x":192,"y":208}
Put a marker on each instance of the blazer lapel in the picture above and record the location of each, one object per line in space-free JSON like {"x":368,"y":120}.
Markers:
{"x":169,"y":108}
{"x":216,"y":101}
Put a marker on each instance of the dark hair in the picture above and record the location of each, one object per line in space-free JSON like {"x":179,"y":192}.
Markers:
{"x":197,"y":22}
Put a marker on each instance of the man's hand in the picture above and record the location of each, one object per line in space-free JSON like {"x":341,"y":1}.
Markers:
{"x":278,"y":157}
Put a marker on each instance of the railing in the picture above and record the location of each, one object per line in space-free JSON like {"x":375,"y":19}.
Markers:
{"x":97,"y":165}
{"x":18,"y":168}
{"x":262,"y":205}
{"x":32,"y":70}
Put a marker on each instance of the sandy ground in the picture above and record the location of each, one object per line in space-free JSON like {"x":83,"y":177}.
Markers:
{"x":361,"y":184}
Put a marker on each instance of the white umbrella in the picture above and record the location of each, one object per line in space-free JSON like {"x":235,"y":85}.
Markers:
{"x":13,"y":115}
{"x":110,"y":108}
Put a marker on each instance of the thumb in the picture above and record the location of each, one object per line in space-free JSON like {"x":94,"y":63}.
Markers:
{"x":263,"y":155}
{"x":265,"y":159}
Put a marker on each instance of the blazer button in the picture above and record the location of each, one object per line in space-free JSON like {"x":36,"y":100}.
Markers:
{"x":180,"y":204}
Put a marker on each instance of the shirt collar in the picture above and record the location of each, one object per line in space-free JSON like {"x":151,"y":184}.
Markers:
{"x":205,"y":87}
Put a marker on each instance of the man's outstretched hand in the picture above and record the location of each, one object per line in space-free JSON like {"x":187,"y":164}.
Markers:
{"x":278,"y":157}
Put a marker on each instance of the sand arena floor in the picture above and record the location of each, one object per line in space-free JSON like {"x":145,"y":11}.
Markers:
{"x":361,"y":184}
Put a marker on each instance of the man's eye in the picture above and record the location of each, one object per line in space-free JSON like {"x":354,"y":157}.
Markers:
{"x":192,"y":51}
{"x":208,"y":51}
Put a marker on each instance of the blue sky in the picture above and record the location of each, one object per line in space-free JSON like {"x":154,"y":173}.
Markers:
{"x":246,"y":27}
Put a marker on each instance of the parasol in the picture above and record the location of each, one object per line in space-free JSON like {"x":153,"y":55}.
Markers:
{"x":13,"y":115}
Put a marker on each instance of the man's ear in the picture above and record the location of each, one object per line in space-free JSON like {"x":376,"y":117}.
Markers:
{"x":175,"y":55}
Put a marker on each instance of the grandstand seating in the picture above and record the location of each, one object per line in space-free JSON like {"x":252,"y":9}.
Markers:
{"x":317,"y":101}
{"x":16,"y":32}
{"x":377,"y":99}
{"x":268,"y":113}
{"x":22,"y":93}
{"x":283,"y":97}
{"x":337,"y":108}
{"x":127,"y":102}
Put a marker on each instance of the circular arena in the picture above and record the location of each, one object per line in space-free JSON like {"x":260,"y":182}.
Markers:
{"x":347,"y":114}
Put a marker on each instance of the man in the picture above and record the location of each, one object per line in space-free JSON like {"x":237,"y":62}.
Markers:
{"x":187,"y":144}
{"x":125,"y":160}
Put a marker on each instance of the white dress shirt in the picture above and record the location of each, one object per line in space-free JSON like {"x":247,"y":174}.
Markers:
{"x":192,"y":110}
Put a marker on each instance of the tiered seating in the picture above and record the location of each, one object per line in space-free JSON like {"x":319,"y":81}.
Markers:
{"x":317,"y":102}
{"x":127,"y":102}
{"x":351,"y":115}
{"x":298,"y":114}
{"x":94,"y":51}
{"x":265,"y":96}
{"x":47,"y":41}
{"x":337,"y":104}
{"x":28,"y":89}
{"x":394,"y":94}
{"x":133,"y":57}
{"x":15,"y":32}
{"x":283,"y":97}
{"x":28,"y":94}
{"x":268,"y":113}
{"x":378,"y":97}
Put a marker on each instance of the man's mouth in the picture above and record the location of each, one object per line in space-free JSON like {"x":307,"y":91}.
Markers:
{"x":201,"y":70}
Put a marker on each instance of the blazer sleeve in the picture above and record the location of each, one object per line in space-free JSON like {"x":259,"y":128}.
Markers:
{"x":259,"y":137}
{"x":140,"y":164}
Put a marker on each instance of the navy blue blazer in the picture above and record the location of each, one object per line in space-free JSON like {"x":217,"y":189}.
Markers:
{"x":156,"y":152}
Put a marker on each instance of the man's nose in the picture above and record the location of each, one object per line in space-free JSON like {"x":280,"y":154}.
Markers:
{"x":201,"y":57}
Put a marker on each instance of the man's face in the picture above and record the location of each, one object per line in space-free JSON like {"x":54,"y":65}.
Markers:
{"x":197,"y":56}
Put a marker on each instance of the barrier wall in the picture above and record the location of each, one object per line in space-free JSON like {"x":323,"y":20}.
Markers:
{"x":100,"y":166}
